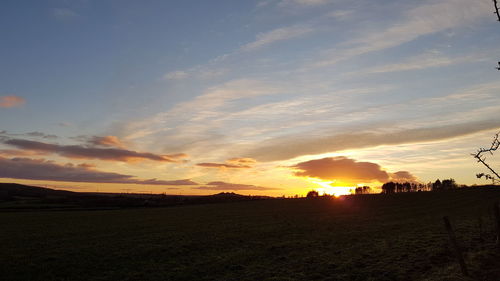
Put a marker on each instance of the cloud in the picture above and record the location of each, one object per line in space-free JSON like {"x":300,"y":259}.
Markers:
{"x":64,"y":14}
{"x":303,"y":2}
{"x":242,"y":161}
{"x":233,"y":163}
{"x":429,"y":18}
{"x":348,"y":171}
{"x":423,"y":61}
{"x":284,"y":148}
{"x":78,"y":151}
{"x":276,"y":35}
{"x":107,"y":141}
{"x":19,"y":152}
{"x":208,"y":105}
{"x":11,"y":101}
{"x":41,"y":135}
{"x":173,"y":182}
{"x":220,"y":185}
{"x":222,"y":165}
{"x":342,"y":169}
{"x":40,"y":169}
{"x":176,"y":75}
{"x":403,"y":176}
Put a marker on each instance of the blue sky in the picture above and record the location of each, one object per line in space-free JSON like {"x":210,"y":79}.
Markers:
{"x":407,"y":85}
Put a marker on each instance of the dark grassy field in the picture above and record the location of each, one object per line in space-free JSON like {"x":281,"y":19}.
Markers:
{"x":367,"y":237}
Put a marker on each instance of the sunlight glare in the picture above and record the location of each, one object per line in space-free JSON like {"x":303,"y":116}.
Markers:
{"x":336,"y":191}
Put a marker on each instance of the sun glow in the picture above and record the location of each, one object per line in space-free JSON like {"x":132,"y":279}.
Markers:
{"x":327,"y":188}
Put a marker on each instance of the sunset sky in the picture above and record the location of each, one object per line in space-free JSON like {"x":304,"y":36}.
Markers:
{"x":272,"y":97}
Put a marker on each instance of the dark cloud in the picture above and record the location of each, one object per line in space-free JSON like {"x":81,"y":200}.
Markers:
{"x":34,"y":134}
{"x":40,"y":169}
{"x":342,"y":169}
{"x":220,"y":185}
{"x":284,"y":148}
{"x":86,"y":152}
{"x":41,"y":135}
{"x":222,"y":165}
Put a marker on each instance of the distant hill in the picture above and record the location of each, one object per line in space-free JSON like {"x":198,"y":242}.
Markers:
{"x":18,"y":196}
{"x":14,"y":189}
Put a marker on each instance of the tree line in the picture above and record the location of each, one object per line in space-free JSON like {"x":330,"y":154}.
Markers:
{"x":398,"y":187}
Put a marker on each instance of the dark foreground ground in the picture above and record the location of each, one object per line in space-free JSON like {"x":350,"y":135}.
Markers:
{"x":367,"y":237}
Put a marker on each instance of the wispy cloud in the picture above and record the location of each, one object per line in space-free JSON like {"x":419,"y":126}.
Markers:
{"x":176,"y":75}
{"x":284,"y":148}
{"x":64,"y":14}
{"x":40,"y":169}
{"x":233,"y":163}
{"x":428,"y":18}
{"x":423,"y":61}
{"x":11,"y":101}
{"x":222,"y":165}
{"x":107,"y":141}
{"x":277,"y":35}
{"x":220,"y":185}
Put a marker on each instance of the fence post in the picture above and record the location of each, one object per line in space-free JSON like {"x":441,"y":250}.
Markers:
{"x":454,"y":245}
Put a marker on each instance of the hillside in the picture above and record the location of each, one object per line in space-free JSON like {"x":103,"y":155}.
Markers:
{"x":17,"y":196}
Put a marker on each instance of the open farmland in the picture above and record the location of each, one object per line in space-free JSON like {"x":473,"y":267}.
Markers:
{"x":366,"y":237}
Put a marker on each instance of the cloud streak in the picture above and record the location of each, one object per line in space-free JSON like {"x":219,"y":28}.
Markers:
{"x":84,"y":152}
{"x":429,"y":18}
{"x":276,"y":35}
{"x":233,"y":163}
{"x":284,"y":148}
{"x":220,"y":185}
{"x":40,"y":169}
{"x":222,"y":165}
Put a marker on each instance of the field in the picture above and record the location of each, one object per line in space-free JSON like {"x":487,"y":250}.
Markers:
{"x":365,"y":237}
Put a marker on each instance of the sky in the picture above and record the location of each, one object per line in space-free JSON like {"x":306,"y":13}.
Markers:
{"x":273,"y":97}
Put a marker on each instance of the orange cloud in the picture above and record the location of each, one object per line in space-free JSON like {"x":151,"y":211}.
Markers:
{"x":107,"y":141}
{"x":84,"y":152}
{"x":11,"y":101}
{"x":244,"y":161}
{"x":348,"y":170}
{"x":222,"y":165}
{"x":341,"y":168}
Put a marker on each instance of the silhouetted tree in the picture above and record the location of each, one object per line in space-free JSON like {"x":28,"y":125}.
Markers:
{"x":389,"y":188}
{"x":362,"y":190}
{"x":448,"y":184}
{"x":479,"y":155}
{"x":312,"y":193}
{"x":437,"y":185}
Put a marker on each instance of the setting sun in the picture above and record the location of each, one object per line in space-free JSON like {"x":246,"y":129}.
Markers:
{"x":327,"y":188}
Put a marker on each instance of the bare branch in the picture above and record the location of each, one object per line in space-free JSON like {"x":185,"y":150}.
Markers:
{"x":495,"y":144}
{"x":496,"y":9}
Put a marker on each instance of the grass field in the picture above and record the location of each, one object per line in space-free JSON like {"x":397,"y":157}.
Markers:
{"x":367,"y":237}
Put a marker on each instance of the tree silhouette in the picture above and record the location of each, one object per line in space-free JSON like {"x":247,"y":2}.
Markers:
{"x":481,"y":158}
{"x":312,"y":193}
